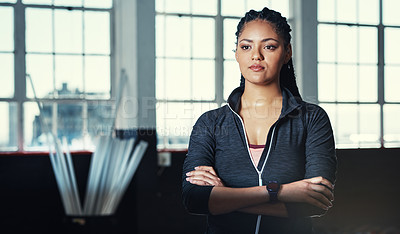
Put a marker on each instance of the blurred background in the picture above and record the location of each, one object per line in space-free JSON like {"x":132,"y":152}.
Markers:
{"x":179,"y":60}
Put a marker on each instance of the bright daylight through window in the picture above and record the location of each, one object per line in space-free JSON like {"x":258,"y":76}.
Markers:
{"x":195,"y":66}
{"x":64,"y":46}
{"x":358,"y":71}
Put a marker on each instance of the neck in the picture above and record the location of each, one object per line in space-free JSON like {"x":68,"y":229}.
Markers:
{"x":261,"y":95}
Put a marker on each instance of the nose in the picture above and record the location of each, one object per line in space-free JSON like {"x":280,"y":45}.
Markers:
{"x":257,"y":55}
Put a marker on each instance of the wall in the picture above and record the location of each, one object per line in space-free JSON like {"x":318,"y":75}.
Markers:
{"x":366,"y":196}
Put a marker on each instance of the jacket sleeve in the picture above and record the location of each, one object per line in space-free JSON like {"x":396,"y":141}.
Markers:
{"x":200,"y":153}
{"x":320,"y":155}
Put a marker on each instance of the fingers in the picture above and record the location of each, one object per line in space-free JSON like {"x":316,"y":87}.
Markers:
{"x":323,"y":201}
{"x":199,"y":182}
{"x":204,"y":175}
{"x":323,"y":190}
{"x":317,"y":203}
{"x":206,"y":168}
{"x":205,"y":179}
{"x":321,"y":180}
{"x":200,"y":174}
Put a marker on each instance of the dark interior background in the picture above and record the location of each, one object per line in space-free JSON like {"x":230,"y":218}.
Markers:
{"x":366,"y":196}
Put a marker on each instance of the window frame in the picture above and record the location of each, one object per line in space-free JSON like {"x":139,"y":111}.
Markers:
{"x":20,"y":79}
{"x":380,"y":72}
{"x":219,"y":59}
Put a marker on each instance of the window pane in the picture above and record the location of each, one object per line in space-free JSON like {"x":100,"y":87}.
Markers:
{"x":347,"y":125}
{"x":347,"y":44}
{"x":174,"y":123}
{"x":368,"y":43}
{"x":7,"y":75}
{"x":177,"y":36}
{"x":347,"y":83}
{"x":100,"y":116}
{"x":177,"y":6}
{"x":230,"y":38}
{"x":369,"y":121}
{"x":97,"y":32}
{"x":368,"y":11}
{"x":160,"y":4}
{"x":347,"y":11}
{"x":391,"y":126}
{"x":9,"y":1}
{"x":6,"y":29}
{"x":160,"y":35}
{"x":368,"y":83}
{"x":178,"y":80}
{"x":70,"y":124}
{"x":203,"y":80}
{"x":203,"y":43}
{"x":34,"y":132}
{"x":257,"y":5}
{"x":326,"y":10}
{"x":40,"y":68}
{"x":68,"y":3}
{"x":326,"y":43}
{"x":8,"y":126}
{"x":233,"y":7}
{"x":97,"y":76}
{"x":97,"y":3}
{"x":41,"y":2}
{"x":160,"y":79}
{"x":231,"y":77}
{"x":68,"y":75}
{"x":204,"y":7}
{"x":392,"y":83}
{"x":39,"y":30}
{"x":326,"y":82}
{"x":68,"y":31}
{"x":392,"y":46}
{"x":390,"y":12}
{"x":281,"y":6}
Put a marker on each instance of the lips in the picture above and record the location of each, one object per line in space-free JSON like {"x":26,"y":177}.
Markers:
{"x":256,"y":67}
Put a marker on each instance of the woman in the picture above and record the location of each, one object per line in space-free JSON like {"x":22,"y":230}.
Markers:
{"x":265,"y":162}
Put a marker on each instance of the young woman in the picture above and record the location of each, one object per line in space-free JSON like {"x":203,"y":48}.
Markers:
{"x":265,"y":162}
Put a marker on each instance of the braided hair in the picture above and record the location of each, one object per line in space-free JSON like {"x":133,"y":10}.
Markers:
{"x":287,"y":77}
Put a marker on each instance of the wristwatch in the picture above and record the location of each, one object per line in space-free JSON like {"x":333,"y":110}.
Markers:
{"x":273,"y":189}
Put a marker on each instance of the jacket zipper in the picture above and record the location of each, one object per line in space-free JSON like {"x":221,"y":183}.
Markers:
{"x":255,"y":166}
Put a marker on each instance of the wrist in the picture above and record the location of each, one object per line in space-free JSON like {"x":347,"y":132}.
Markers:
{"x":273,"y":188}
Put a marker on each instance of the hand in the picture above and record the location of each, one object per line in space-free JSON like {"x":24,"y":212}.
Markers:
{"x":204,"y":176}
{"x":316,"y":191}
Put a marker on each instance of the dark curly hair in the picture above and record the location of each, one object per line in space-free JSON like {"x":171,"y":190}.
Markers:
{"x":287,"y":77}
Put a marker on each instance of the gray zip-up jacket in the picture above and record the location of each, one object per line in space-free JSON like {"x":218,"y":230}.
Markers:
{"x":299,"y":145}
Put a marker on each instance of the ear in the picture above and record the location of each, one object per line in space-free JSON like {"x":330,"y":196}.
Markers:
{"x":288,"y":55}
{"x":236,"y":55}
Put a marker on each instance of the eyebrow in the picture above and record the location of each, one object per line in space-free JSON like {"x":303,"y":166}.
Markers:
{"x":263,"y":40}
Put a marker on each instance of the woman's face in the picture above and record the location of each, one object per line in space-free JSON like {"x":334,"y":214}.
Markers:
{"x":261,"y":53}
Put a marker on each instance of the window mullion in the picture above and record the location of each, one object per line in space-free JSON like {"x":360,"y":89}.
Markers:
{"x":381,"y":70}
{"x":19,"y":68}
{"x":219,"y":59}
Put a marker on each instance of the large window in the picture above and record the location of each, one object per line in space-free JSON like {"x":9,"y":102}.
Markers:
{"x":358,"y":70}
{"x":65,"y":47}
{"x":195,"y":65}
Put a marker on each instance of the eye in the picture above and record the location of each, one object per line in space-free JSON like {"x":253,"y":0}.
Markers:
{"x":270,"y":47}
{"x":245,"y":47}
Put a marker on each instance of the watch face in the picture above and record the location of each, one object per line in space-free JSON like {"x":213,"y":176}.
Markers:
{"x":273,"y":186}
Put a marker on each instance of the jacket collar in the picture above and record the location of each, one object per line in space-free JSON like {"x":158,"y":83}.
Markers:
{"x":289,"y":102}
